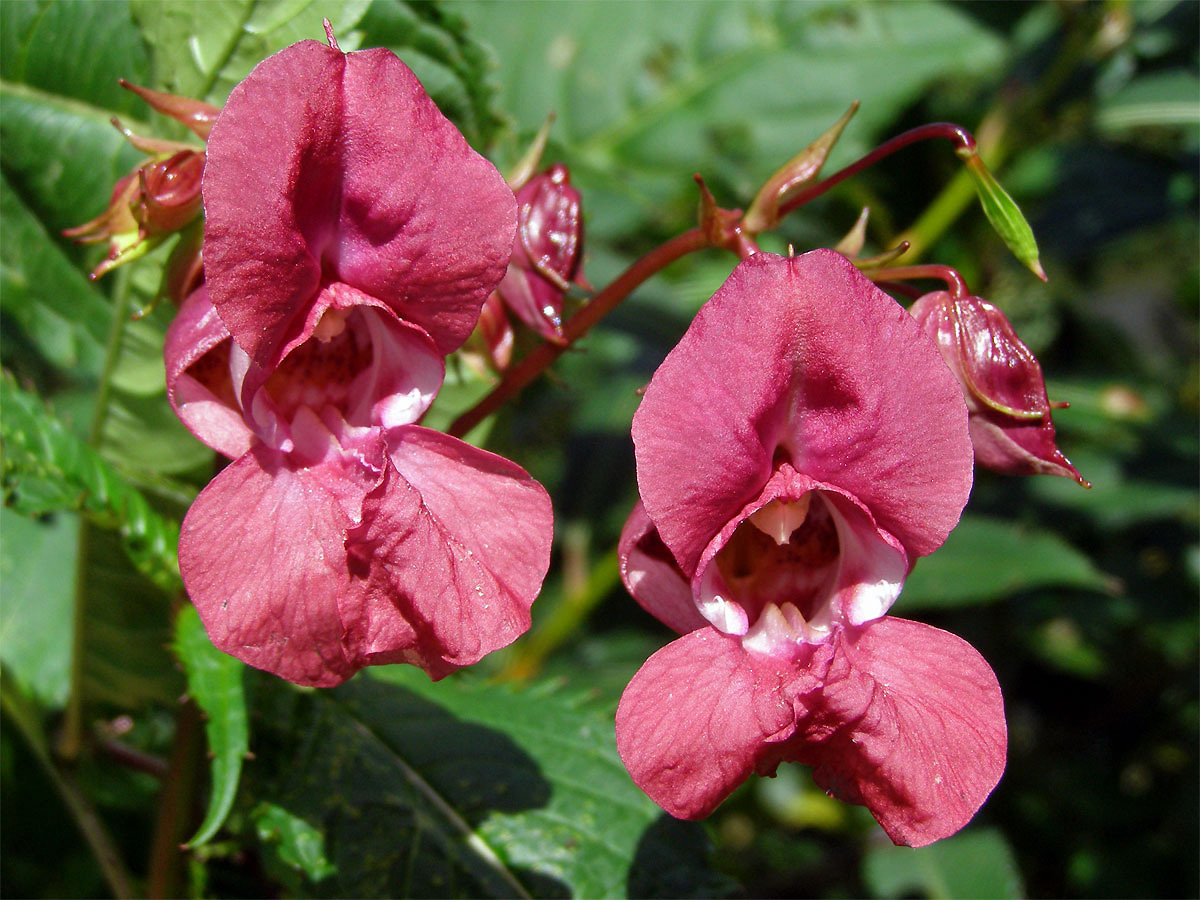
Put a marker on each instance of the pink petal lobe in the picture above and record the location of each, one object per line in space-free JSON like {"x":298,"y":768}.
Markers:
{"x":327,"y":167}
{"x":198,"y":381}
{"x":805,"y":359}
{"x":698,"y":717}
{"x":910,"y":723}
{"x":652,"y":577}
{"x":460,"y":540}
{"x":262,"y":556}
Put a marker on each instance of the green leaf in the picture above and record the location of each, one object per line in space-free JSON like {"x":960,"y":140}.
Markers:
{"x":37,"y":568}
{"x":1159,"y":98}
{"x":461,"y":789}
{"x":437,"y":44}
{"x":972,"y":864}
{"x":1004,"y":214}
{"x":45,"y":469}
{"x":76,"y":49}
{"x":202,"y":48}
{"x":215,"y":683}
{"x":126,"y":628}
{"x":648,"y":93}
{"x":985,"y":560}
{"x":56,"y":308}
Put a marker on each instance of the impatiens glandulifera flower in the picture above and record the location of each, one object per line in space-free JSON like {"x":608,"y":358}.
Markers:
{"x":796,"y":452}
{"x":351,"y":237}
{"x":546,"y":252}
{"x":161,"y":196}
{"x":1010,"y":422}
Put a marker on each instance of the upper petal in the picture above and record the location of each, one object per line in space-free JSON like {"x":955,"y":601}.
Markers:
{"x":459,"y":540}
{"x":262,"y":555}
{"x":697,"y":718}
{"x":910,"y":723}
{"x":806,"y":358}
{"x":326,"y":166}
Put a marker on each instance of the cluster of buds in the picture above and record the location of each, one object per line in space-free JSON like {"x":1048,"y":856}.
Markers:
{"x":160,"y":197}
{"x":545,"y":261}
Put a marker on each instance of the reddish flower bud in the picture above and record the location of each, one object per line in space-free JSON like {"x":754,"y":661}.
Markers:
{"x":546,"y":252}
{"x":169,"y":195}
{"x":1010,"y":423}
{"x":160,"y":196}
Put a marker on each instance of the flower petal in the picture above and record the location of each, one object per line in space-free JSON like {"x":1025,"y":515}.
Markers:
{"x":200,"y":390}
{"x":459,"y":538}
{"x":806,"y":358}
{"x":910,"y":723}
{"x":329,"y":167}
{"x":698,"y":716}
{"x":652,"y":577}
{"x":262,"y":556}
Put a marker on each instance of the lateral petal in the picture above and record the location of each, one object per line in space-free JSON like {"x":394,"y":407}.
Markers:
{"x":910,"y":723}
{"x":262,"y":556}
{"x":459,"y":538}
{"x":199,"y":385}
{"x":652,"y":577}
{"x":698,"y":717}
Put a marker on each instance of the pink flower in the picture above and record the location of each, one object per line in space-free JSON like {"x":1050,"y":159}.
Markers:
{"x":351,"y":237}
{"x":797,"y":451}
{"x":1006,"y":393}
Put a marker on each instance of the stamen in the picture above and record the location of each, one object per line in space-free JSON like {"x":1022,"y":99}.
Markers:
{"x":333,"y":323}
{"x":779,"y":518}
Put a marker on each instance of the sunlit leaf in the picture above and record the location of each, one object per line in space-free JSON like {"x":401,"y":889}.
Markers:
{"x":215,"y":682}
{"x":461,"y":789}
{"x":977,"y":863}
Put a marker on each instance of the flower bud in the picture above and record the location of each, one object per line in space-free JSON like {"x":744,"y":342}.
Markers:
{"x":1010,"y":423}
{"x":546,"y":252}
{"x":161,"y":196}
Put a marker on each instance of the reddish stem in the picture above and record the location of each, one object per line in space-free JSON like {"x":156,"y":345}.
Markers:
{"x":542,"y":356}
{"x":963,"y":142}
{"x":954,"y":281}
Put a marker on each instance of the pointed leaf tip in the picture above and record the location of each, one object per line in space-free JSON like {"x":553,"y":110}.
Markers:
{"x":1005,"y":216}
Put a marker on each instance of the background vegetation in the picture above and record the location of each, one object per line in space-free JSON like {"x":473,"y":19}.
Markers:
{"x":504,"y":780}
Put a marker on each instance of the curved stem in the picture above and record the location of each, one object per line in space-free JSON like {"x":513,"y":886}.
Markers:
{"x":542,"y":356}
{"x":956,"y":134}
{"x":954,"y":281}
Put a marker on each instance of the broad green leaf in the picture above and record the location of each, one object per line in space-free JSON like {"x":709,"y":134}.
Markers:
{"x":215,"y":683}
{"x":202,"y":48}
{"x":1004,"y":214}
{"x":74,"y":48}
{"x":45,"y":469}
{"x":127,"y":628}
{"x":972,"y":864}
{"x":37,"y":569}
{"x":985,"y":560}
{"x":1161,"y":98}
{"x":648,"y":93}
{"x":460,"y":789}
{"x":56,"y":308}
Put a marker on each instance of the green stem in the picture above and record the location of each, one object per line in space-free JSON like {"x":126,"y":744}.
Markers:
{"x":70,"y":743}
